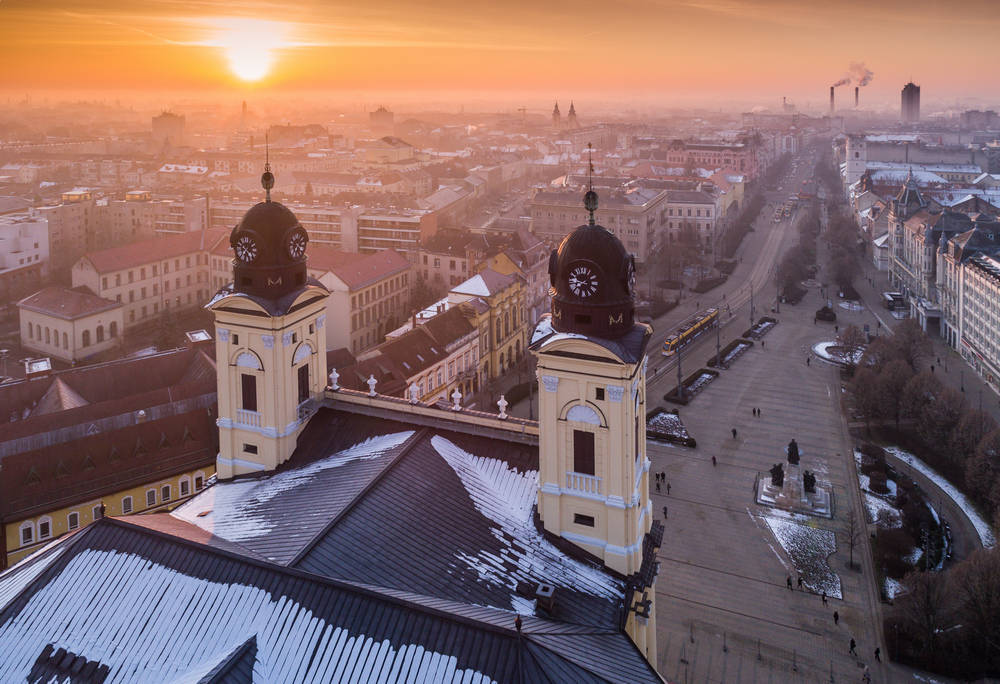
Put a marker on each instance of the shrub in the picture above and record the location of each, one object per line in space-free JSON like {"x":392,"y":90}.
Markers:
{"x":877,"y":482}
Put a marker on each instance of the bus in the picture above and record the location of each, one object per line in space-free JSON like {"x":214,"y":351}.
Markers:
{"x":689,"y":330}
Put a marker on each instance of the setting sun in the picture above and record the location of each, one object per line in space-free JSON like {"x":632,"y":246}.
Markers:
{"x":249,"y":46}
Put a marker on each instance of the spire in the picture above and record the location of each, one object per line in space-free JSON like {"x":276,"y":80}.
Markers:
{"x":267,"y":178}
{"x":590,"y":198}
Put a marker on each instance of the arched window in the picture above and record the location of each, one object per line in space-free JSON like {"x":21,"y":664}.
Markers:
{"x":100,"y":334}
{"x":113,"y":330}
{"x":44,"y":528}
{"x":86,"y":338}
{"x":73,"y":521}
{"x":27,"y":533}
{"x":48,"y":339}
{"x":185,"y":486}
{"x":506,"y":324}
{"x":65,"y":341}
{"x":126,"y":505}
{"x":499,"y":336}
{"x":30,"y":331}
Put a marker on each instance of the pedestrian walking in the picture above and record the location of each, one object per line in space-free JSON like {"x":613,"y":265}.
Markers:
{"x":800,"y":581}
{"x":824,"y":597}
{"x":878,"y":654}
{"x":734,"y":433}
{"x":762,"y":344}
{"x":932,"y":368}
{"x":657,"y":486}
{"x":836,"y":616}
{"x":713,"y":461}
{"x":853,"y":645}
{"x":664,"y":512}
{"x":758,"y":412}
{"x":668,"y":489}
{"x":808,"y":359}
{"x":867,"y":676}
{"x":788,"y":581}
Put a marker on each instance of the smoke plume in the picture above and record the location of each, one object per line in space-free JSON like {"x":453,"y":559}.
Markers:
{"x":862,"y":75}
{"x":843,"y":81}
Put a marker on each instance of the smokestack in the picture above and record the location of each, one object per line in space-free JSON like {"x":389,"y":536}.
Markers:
{"x":831,"y":99}
{"x":856,"y":89}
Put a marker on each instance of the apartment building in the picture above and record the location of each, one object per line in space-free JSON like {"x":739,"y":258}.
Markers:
{"x":369,"y":295}
{"x":72,"y":225}
{"x":24,"y":254}
{"x":635,"y":216}
{"x":152,"y":276}
{"x":69,"y":324}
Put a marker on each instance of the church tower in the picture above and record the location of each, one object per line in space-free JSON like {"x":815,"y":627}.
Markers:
{"x":556,"y":117}
{"x":270,"y":340}
{"x":593,"y":470}
{"x":571,"y":117}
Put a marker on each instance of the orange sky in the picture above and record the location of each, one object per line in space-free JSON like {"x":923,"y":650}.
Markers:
{"x":716,"y":48}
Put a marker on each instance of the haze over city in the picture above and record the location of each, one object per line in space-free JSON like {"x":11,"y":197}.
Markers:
{"x":471,"y":342}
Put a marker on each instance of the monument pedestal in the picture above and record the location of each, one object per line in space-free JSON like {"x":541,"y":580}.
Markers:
{"x":792,"y":496}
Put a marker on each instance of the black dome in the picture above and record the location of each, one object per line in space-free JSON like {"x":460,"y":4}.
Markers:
{"x":592,"y":277}
{"x":270,"y":248}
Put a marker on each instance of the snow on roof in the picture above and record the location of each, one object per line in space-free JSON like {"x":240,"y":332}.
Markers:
{"x":982,"y":527}
{"x":230,"y":509}
{"x":167,"y":641}
{"x":507,"y":497}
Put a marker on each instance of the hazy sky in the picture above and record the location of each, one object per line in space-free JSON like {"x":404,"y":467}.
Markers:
{"x":719,"y":48}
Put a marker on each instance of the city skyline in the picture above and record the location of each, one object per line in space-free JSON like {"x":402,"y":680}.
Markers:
{"x":716,"y":50}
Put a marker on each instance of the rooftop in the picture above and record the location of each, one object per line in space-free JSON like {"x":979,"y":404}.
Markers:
{"x":154,"y":250}
{"x":67,"y":303}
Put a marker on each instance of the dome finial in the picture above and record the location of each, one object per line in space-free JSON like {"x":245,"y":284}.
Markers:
{"x":267,"y":178}
{"x":590,"y":199}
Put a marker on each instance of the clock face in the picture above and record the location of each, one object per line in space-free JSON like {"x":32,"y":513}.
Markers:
{"x":297,"y":244}
{"x":246,"y":249}
{"x":582,"y":281}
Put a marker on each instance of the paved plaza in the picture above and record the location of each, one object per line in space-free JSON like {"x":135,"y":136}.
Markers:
{"x":724,"y":611}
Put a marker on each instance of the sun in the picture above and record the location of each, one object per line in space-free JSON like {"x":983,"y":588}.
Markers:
{"x":249,"y":46}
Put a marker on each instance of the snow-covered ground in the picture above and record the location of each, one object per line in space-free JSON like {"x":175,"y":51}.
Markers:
{"x":822,"y":350}
{"x":809,"y":549}
{"x":893,"y":587}
{"x":852,"y":306}
{"x":877,"y":503}
{"x":736,"y":351}
{"x":982,"y":527}
{"x":666,"y":423}
{"x":702,"y":380}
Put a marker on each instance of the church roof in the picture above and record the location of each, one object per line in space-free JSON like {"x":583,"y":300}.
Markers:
{"x":380,"y":550}
{"x":189,"y":612}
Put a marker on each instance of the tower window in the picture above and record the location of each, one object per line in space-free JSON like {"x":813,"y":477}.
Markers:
{"x":250,"y":448}
{"x":580,"y":519}
{"x":583,"y":452}
{"x":599,"y":394}
{"x":236,"y":339}
{"x":303,"y":382}
{"x":249,"y":383}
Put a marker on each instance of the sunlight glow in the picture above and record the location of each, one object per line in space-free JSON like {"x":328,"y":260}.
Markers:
{"x":249,"y":45}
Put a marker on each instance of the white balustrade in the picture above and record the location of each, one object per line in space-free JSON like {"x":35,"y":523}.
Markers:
{"x":588,"y":484}
{"x":251,"y":418}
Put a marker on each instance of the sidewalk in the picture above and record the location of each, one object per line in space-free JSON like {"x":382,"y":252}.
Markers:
{"x":948,"y":364}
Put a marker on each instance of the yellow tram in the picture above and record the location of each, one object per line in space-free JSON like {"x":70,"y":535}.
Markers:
{"x":689,"y":330}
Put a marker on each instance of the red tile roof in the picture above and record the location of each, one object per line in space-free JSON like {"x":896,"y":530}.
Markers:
{"x":67,"y":303}
{"x":357,"y":270}
{"x":157,"y":249}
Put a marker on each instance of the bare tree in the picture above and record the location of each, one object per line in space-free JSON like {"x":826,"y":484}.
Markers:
{"x":977,"y":587}
{"x":911,"y":343}
{"x":879,"y":353}
{"x":920,"y":391}
{"x":924,"y":610}
{"x":864,"y":387}
{"x":851,"y":343}
{"x":891,"y":383}
{"x":854,"y":529}
{"x":940,"y":417}
{"x":972,"y":427}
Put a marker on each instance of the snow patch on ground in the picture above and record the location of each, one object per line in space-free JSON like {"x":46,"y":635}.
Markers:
{"x":507,"y":497}
{"x":982,"y":527}
{"x":876,"y":505}
{"x":700,"y":382}
{"x":736,"y":351}
{"x":809,"y":549}
{"x":232,"y":506}
{"x":852,"y":306}
{"x":823,"y":351}
{"x":670,"y":424}
{"x":893,"y":588}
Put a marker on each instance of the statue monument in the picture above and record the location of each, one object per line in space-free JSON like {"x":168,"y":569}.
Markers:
{"x":792,"y":489}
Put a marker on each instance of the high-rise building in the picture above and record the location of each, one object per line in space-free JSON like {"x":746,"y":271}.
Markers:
{"x":911,"y":103}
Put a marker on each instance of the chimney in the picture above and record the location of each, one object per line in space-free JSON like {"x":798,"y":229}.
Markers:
{"x":831,"y":99}
{"x":856,"y":89}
